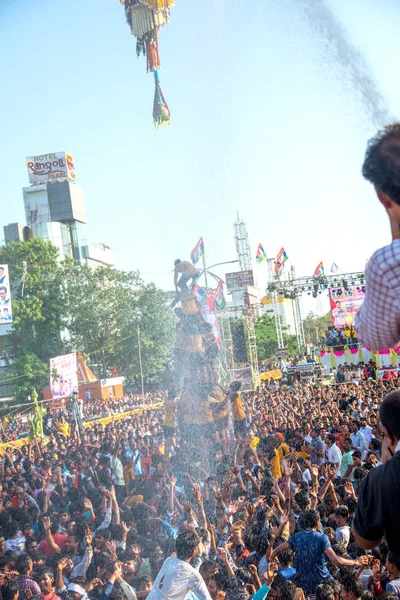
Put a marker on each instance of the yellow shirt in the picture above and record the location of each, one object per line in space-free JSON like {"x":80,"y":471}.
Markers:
{"x":202,"y":415}
{"x":169,"y":412}
{"x":63,"y":428}
{"x":254,"y":443}
{"x":129,"y":474}
{"x":185,"y":267}
{"x":219,"y":413}
{"x":276,"y":466}
{"x":237,"y":408}
{"x":282,"y":450}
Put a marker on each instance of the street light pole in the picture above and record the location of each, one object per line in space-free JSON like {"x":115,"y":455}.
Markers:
{"x":140,"y":360}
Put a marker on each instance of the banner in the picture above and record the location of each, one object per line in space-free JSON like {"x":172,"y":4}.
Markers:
{"x":5,"y":296}
{"x":345,"y":304}
{"x":207,"y":310}
{"x":57,"y":166}
{"x":63,"y":375}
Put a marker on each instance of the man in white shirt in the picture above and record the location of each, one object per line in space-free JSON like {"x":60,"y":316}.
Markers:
{"x":177,"y":578}
{"x":342,"y":533}
{"x":358,"y":439}
{"x":366,"y":430}
{"x":333,"y":453}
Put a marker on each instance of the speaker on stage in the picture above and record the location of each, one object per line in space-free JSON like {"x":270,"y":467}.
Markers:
{"x":239,"y":343}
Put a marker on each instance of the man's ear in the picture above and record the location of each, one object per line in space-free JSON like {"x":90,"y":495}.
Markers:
{"x":384,"y":199}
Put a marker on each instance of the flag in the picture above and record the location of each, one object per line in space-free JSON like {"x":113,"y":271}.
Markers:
{"x":76,"y":480}
{"x":334,"y":268}
{"x":201,"y":294}
{"x":198,"y":251}
{"x":87,"y":394}
{"x":219,"y":298}
{"x":319,"y":271}
{"x":280,"y":262}
{"x":260,"y":254}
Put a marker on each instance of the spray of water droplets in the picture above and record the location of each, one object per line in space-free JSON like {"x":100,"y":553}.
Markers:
{"x":339,"y":48}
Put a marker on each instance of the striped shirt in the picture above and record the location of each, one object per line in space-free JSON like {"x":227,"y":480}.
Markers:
{"x":378,"y":320}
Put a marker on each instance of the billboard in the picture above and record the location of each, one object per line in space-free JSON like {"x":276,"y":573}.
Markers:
{"x":5,"y":296}
{"x":46,"y":168}
{"x":63,"y":375}
{"x":239,"y":280}
{"x":345,"y":304}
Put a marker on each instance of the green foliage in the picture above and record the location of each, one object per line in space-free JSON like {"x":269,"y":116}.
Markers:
{"x":267,"y":341}
{"x":316,"y":326}
{"x":61,"y":307}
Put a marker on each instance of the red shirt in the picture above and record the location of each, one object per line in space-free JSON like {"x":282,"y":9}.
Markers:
{"x":59,"y":538}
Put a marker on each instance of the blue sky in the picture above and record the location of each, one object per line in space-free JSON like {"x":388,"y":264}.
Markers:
{"x":264,"y":124}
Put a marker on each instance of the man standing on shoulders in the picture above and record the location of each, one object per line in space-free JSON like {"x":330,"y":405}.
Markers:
{"x":378,"y":320}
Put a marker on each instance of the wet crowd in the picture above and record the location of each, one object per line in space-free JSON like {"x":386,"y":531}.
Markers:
{"x":121,"y":511}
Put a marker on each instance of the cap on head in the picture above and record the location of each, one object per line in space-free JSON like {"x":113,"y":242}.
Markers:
{"x":178,"y":260}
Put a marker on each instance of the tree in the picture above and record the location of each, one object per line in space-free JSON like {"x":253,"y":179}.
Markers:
{"x":37,"y":313}
{"x":62,"y":307}
{"x":316,"y":326}
{"x":267,"y":340}
{"x":105,"y":308}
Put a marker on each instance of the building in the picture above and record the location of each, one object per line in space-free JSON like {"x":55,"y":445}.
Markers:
{"x":285,"y":311}
{"x":55,"y":211}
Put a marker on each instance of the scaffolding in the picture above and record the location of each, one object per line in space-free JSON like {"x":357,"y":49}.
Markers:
{"x":294,"y":288}
{"x":274,"y":298}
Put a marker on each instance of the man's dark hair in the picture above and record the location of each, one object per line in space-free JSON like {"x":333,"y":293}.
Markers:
{"x":23,"y":564}
{"x":342,"y":511}
{"x":311,"y":518}
{"x":286,"y":557}
{"x":332,"y":438}
{"x":80,"y":580}
{"x":186,"y":544}
{"x":287,"y":588}
{"x":349,"y":580}
{"x":367,"y":595}
{"x":382,"y":162}
{"x":324,"y":591}
{"x":9,"y":589}
{"x":389,"y":414}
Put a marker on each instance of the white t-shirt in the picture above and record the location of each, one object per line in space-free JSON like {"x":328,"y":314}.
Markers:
{"x":176,"y":580}
{"x":335,"y":456}
{"x":342,"y":535}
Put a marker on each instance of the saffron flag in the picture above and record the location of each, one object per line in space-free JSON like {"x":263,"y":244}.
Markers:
{"x":260,"y":254}
{"x":334,"y":268}
{"x":319,"y":271}
{"x":198,"y":251}
{"x":280,"y":262}
{"x":219,"y":298}
{"x":201,"y":294}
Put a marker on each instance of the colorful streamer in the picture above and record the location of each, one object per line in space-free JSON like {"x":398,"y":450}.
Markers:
{"x":145,"y":18}
{"x":161,"y":114}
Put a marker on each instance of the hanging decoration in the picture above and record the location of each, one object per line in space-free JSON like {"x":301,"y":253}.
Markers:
{"x":145,"y":19}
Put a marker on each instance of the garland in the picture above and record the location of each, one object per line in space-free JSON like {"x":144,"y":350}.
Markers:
{"x":145,"y":18}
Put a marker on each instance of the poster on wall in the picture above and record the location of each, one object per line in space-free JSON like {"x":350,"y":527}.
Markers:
{"x":345,"y":304}
{"x":63,"y":375}
{"x":5,"y":296}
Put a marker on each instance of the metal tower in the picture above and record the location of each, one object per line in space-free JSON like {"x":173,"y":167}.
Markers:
{"x":242,"y":244}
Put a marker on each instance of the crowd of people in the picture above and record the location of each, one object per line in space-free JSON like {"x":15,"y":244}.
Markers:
{"x":290,"y":495}
{"x":121,"y":512}
{"x":339,"y":337}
